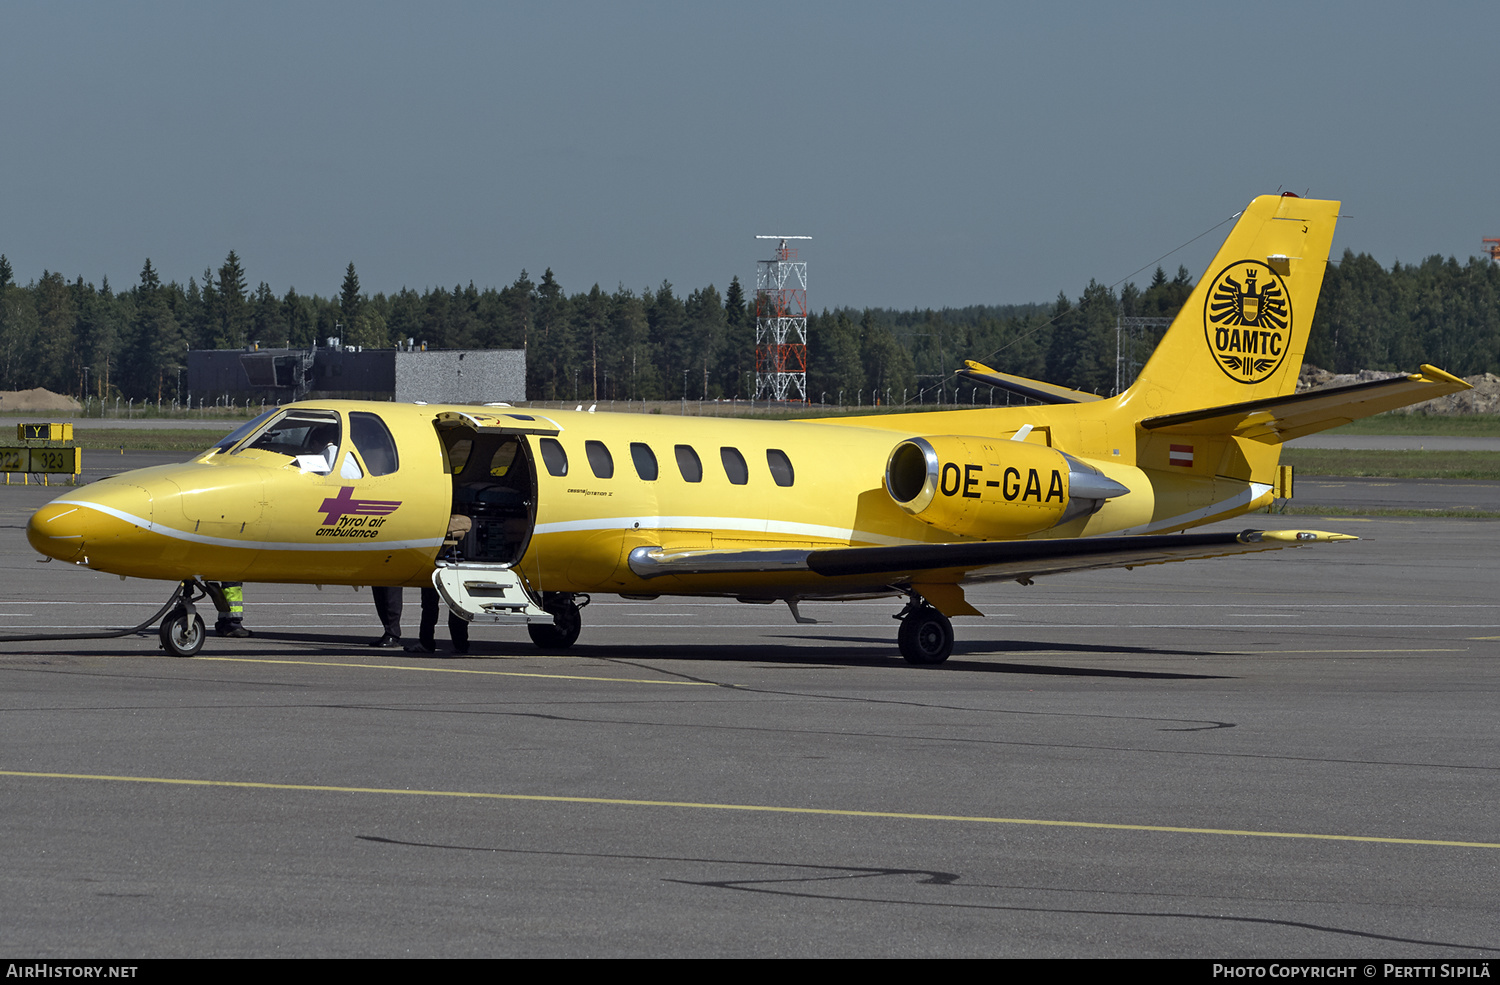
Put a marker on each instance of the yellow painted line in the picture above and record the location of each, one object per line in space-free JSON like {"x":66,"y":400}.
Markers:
{"x":1451,"y":649}
{"x":752,"y":808}
{"x":1484,"y":637}
{"x":1233,"y":653}
{"x":455,"y":670}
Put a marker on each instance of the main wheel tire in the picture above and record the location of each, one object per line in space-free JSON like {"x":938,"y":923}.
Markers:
{"x":925,"y":637}
{"x":564,"y":631}
{"x":182,"y":634}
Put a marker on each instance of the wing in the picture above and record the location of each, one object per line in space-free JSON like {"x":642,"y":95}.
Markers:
{"x":846,"y":569}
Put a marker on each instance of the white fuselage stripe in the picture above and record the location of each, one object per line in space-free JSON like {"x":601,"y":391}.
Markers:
{"x":786,"y":528}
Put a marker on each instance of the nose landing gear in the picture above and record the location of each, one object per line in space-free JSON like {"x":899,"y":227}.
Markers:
{"x":182,"y":632}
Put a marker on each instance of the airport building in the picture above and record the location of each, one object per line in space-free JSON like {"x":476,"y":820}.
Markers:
{"x":456,"y":376}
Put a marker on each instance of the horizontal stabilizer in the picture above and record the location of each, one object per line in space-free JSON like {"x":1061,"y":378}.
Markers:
{"x":1276,"y":419}
{"x":1047,"y":393}
{"x":974,"y":561}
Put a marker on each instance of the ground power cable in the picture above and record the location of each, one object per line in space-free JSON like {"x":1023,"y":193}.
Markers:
{"x":107,"y":634}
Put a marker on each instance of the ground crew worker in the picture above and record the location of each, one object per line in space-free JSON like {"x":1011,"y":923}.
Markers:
{"x":231,"y":623}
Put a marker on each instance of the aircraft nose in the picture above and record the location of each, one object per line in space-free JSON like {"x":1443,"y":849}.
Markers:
{"x":57,"y":531}
{"x":85,"y":525}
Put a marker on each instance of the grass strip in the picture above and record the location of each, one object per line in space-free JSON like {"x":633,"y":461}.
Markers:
{"x":1333,"y":511}
{"x":1460,"y":425}
{"x":1394,"y":464}
{"x":144,"y":439}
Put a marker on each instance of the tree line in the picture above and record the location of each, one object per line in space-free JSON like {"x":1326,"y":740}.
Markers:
{"x":73,"y":337}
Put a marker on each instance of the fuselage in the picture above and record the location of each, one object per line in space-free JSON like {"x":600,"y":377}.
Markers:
{"x":350,"y":492}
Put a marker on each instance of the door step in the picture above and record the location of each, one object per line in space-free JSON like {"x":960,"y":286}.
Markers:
{"x":488,"y":594}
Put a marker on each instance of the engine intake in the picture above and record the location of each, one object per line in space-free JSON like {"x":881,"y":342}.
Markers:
{"x":993,"y":489}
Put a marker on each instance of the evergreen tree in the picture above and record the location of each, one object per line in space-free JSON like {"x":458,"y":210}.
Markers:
{"x":736,"y":362}
{"x":887,"y":363}
{"x":551,"y":362}
{"x":231,"y":312}
{"x":18,"y":333}
{"x":406,"y":316}
{"x":636,"y":371}
{"x":157,"y":351}
{"x":668,"y":342}
{"x":57,"y":358}
{"x":703,"y":337}
{"x":349,"y":299}
{"x":835,"y":363}
{"x":1081,"y":351}
{"x":268,"y":323}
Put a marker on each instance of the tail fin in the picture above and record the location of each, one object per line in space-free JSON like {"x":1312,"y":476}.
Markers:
{"x":1243,"y":332}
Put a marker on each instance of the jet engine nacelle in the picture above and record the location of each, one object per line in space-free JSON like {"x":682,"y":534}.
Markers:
{"x":993,"y":489}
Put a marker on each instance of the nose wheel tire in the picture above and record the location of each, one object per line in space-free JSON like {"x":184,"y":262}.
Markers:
{"x":182,"y":633}
{"x":925,"y":637}
{"x":568,"y":623}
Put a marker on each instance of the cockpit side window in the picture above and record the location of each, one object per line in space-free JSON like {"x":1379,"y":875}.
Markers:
{"x":374,"y":441}
{"x":300,"y":432}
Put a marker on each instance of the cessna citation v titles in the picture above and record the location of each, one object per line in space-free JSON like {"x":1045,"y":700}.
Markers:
{"x":515,"y":517}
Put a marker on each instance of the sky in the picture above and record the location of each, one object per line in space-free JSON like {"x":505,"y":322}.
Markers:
{"x":939,"y":155}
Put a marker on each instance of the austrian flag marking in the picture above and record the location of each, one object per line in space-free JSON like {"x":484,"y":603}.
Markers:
{"x":1180,"y":455}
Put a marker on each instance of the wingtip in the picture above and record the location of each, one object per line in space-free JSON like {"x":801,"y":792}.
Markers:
{"x":1296,"y":536}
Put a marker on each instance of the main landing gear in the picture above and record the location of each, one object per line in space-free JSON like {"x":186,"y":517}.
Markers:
{"x":926,"y":635}
{"x":182,"y":632}
{"x":564,"y":608}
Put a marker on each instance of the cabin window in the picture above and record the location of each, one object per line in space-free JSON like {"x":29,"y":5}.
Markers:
{"x":458,"y":455}
{"x":306,"y":435}
{"x":644,"y":459}
{"x":553,"y":455}
{"x":600,"y":460}
{"x":374,"y":441}
{"x":781,"y":466}
{"x":688,"y":463}
{"x":504,"y":456}
{"x":734,"y":465}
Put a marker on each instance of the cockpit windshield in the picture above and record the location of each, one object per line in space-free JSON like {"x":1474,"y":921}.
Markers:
{"x":238,"y":434}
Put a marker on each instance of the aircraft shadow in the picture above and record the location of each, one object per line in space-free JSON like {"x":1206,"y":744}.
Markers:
{"x":833,"y":651}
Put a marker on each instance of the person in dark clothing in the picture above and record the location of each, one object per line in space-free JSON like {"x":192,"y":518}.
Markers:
{"x":388,"y":607}
{"x":458,"y":627}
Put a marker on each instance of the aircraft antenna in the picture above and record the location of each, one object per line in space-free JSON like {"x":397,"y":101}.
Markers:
{"x":781,"y":324}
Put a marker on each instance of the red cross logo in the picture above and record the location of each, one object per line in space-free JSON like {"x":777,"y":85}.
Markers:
{"x":344,"y":504}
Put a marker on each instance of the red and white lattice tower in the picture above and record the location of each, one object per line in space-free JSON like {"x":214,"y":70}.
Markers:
{"x":781,"y":324}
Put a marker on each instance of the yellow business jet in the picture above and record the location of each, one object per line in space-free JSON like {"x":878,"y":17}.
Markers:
{"x":516,"y":516}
